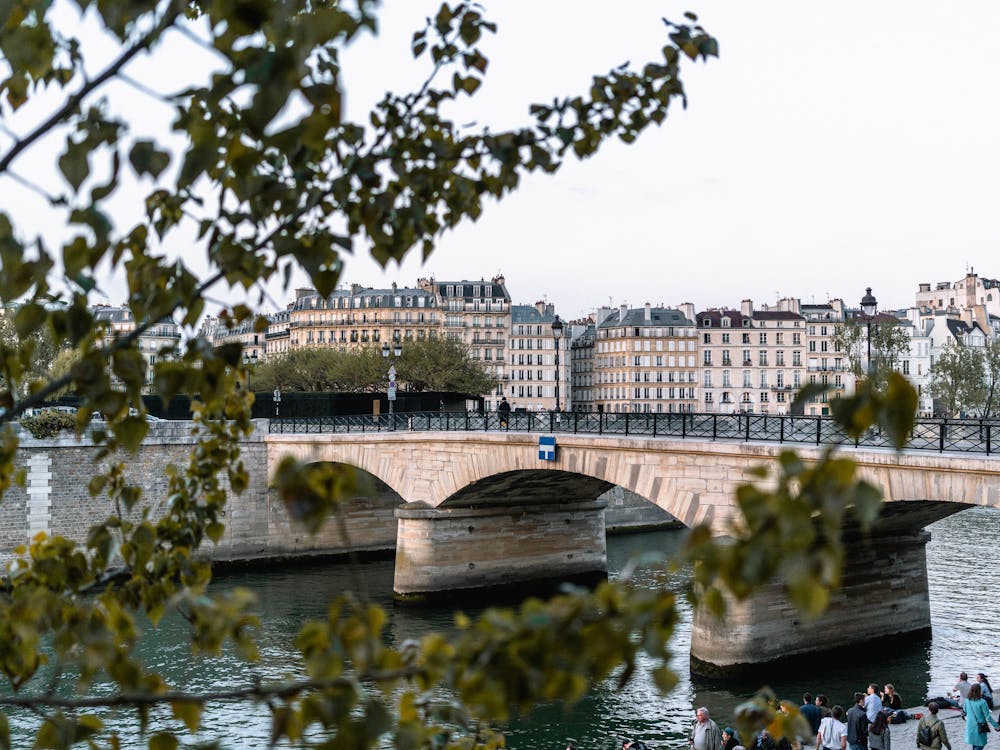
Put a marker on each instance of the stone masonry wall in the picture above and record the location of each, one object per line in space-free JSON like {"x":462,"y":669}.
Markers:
{"x":56,"y":500}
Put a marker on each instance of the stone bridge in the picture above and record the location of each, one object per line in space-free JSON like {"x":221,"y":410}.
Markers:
{"x":483,"y":509}
{"x":465,"y":510}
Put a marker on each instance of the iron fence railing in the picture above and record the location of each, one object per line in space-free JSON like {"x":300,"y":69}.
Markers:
{"x":940,"y":435}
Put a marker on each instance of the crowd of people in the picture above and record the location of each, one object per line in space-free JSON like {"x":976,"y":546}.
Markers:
{"x":863,"y":726}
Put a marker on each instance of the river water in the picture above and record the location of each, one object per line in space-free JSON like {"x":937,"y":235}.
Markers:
{"x":965,"y":619}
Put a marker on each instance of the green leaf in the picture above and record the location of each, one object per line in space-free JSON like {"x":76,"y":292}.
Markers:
{"x":145,"y":158}
{"x":4,"y":732}
{"x":163,"y":741}
{"x":189,"y":713}
{"x":74,"y":164}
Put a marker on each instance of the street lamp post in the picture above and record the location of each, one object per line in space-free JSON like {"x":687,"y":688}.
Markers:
{"x":557,"y":329}
{"x":277,"y":400}
{"x":869,"y":306}
{"x":397,"y":349}
{"x":250,"y":360}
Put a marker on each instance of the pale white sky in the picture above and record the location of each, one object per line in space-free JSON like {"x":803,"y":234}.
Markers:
{"x":833,"y":146}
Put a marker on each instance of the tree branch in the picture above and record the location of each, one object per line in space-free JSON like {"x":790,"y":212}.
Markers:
{"x":285,"y":690}
{"x":73,"y":102}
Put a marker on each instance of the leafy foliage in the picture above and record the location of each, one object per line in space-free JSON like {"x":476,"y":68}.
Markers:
{"x":966,"y":379}
{"x":265,"y":186}
{"x":434,"y":364}
{"x":49,"y":423}
{"x":889,"y":342}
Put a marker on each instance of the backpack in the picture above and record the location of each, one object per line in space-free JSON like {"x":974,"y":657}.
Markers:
{"x":925,"y":735}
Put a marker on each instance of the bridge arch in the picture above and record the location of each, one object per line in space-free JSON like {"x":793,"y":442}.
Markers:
{"x":689,"y":481}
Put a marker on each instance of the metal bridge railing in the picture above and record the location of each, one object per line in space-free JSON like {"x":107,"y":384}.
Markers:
{"x":940,"y":435}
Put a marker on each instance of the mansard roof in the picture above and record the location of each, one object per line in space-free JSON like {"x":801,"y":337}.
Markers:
{"x":658,"y":316}
{"x":713,"y":318}
{"x":530,"y":314}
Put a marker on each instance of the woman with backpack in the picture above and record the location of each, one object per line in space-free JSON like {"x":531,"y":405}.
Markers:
{"x":931,"y":734}
{"x":978,"y":718}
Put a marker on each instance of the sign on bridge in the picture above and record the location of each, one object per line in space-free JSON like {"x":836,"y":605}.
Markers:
{"x":547,"y":447}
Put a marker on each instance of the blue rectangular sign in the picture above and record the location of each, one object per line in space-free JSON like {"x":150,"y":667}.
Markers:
{"x":547,"y":447}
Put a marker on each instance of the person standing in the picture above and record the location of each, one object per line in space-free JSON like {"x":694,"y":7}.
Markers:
{"x":503,"y":411}
{"x":832,"y":734}
{"x":935,"y":729}
{"x":978,"y":718}
{"x":705,"y":733}
{"x":857,"y":724}
{"x":873,"y":704}
{"x":879,"y":736}
{"x":823,"y":705}
{"x":810,"y":711}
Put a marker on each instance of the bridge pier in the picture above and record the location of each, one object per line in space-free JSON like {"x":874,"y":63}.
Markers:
{"x":883,"y":593}
{"x":446,"y":550}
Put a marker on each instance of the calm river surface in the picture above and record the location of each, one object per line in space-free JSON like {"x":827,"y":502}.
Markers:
{"x":964,"y":610}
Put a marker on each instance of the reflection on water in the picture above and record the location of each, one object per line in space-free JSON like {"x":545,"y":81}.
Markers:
{"x":963,"y":616}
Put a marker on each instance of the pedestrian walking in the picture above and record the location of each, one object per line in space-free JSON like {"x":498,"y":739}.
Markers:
{"x":978,"y":718}
{"x":931,"y":733}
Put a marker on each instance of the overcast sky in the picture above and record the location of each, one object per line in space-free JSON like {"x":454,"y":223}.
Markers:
{"x":833,"y":146}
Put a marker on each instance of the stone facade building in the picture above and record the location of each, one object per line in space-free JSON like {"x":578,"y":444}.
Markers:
{"x":581,"y":357}
{"x":477,"y":313}
{"x":154,"y":342}
{"x":755,"y":360}
{"x":532,"y":360}
{"x":645,"y":360}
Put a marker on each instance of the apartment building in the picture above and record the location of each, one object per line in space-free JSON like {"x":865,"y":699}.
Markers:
{"x":645,"y":360}
{"x":754,"y":360}
{"x":477,"y":313}
{"x":535,"y":378}
{"x":581,"y":355}
{"x":827,"y":365}
{"x":354,"y":318}
{"x":154,"y":343}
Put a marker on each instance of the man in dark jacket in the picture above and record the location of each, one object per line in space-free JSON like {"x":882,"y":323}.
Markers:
{"x":810,"y":712}
{"x":857,"y":724}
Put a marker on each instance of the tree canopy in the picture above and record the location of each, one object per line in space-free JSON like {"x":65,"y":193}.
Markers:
{"x":433,"y":364}
{"x":889,"y":342}
{"x":966,"y":379}
{"x":265,"y":185}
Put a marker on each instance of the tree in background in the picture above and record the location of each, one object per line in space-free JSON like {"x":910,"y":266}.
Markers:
{"x":320,"y":369}
{"x":263,"y":186}
{"x":958,"y":381}
{"x":37,"y":347}
{"x":991,"y":371}
{"x":434,"y":364}
{"x":442,"y":364}
{"x":890,"y":343}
